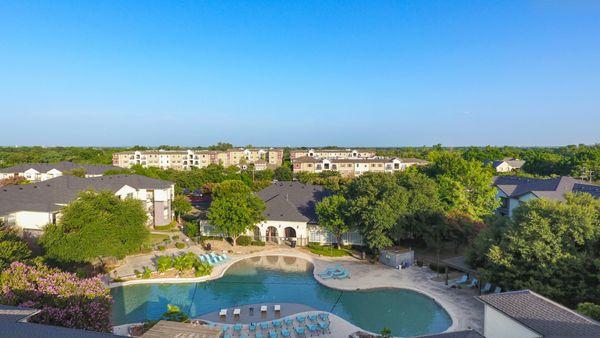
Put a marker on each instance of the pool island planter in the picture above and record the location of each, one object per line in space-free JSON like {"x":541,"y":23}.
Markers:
{"x":315,"y":262}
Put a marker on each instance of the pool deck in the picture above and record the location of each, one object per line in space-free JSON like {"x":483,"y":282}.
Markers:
{"x":466,"y":312}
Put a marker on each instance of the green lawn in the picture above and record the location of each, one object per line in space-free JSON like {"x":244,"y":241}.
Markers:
{"x":328,"y":251}
{"x":156,"y":238}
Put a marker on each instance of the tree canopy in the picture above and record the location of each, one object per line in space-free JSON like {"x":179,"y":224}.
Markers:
{"x":96,"y":224}
{"x":331,"y":212}
{"x":234,"y":208}
{"x":12,"y":248}
{"x":550,"y":247}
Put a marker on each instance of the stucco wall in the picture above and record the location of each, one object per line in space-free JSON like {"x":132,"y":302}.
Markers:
{"x":498,"y":325}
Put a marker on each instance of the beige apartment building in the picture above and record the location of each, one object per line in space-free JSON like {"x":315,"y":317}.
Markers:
{"x":352,"y":167}
{"x":332,"y":153}
{"x":187,"y":159}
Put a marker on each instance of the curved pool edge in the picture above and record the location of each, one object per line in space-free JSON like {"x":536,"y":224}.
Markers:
{"x":222,"y":269}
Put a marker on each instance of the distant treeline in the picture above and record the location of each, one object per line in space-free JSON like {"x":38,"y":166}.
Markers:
{"x":580,"y":161}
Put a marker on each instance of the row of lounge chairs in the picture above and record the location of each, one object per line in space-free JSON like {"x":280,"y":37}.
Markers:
{"x":337,"y":272}
{"x":237,"y":312}
{"x":314,"y":324}
{"x":464,"y":280}
{"x":213,"y":258}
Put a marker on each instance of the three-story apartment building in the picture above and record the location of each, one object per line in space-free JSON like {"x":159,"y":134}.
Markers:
{"x":187,"y":159}
{"x":332,"y":153}
{"x":352,"y":167}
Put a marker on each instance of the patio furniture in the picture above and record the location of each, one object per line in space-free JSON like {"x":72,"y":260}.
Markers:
{"x":463,"y":279}
{"x":243,"y":336}
{"x":264,"y":326}
{"x":237,"y":328}
{"x":225,"y":328}
{"x":344,"y":274}
{"x":299,"y":331}
{"x":263,"y":308}
{"x":258,"y":335}
{"x":324,"y":327}
{"x":285,"y":333}
{"x":326,"y":276}
{"x":486,"y":288}
{"x":324,"y":316}
{"x":273,"y":334}
{"x":223,"y":313}
{"x":312,"y":317}
{"x":474,"y":283}
{"x":237,"y":312}
{"x":497,"y":289}
{"x":227,"y":335}
{"x":301,"y":319}
{"x":276,"y":323}
{"x":277,"y":308}
{"x":288,"y":321}
{"x":313,"y":329}
{"x":252,"y":327}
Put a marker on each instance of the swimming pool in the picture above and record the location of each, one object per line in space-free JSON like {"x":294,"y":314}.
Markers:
{"x":279,"y":279}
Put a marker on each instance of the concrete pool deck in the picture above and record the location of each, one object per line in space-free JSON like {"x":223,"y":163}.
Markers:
{"x":466,"y":312}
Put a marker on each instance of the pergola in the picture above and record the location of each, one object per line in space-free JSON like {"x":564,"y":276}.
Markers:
{"x":459,"y":263}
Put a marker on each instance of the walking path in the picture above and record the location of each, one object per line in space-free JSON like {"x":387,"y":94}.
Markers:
{"x":466,"y":312}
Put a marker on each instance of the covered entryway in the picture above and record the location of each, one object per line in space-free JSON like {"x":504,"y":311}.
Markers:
{"x":256,"y":233}
{"x":290,"y":236}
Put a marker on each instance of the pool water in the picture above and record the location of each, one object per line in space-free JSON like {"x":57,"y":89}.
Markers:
{"x":278,"y":279}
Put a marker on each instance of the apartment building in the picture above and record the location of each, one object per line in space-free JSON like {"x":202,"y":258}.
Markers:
{"x":36,"y":172}
{"x":352,"y":167}
{"x":187,"y":159}
{"x":332,"y":153}
{"x":30,"y":207}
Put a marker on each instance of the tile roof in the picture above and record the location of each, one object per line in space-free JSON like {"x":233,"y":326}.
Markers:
{"x":551,"y":188}
{"x":13,"y":324}
{"x":455,"y":334}
{"x":292,"y":201}
{"x":50,"y":195}
{"x":91,"y":169}
{"x":542,"y":315}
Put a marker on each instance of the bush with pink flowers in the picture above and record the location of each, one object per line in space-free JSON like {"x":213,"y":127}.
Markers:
{"x":63,"y":298}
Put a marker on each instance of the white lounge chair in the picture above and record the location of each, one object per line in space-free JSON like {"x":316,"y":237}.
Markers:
{"x":277,"y":308}
{"x":223,"y":313}
{"x":236,"y":312}
{"x":263,"y":308}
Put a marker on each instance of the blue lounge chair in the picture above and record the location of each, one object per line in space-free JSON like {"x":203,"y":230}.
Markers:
{"x":276,"y":324}
{"x":313,"y":329}
{"x":312,"y":317}
{"x":237,"y":327}
{"x":273,"y":334}
{"x":224,"y":256}
{"x":243,"y":336}
{"x":326,"y":276}
{"x":497,"y":289}
{"x":324,"y":316}
{"x":288,"y":321}
{"x":225,"y":328}
{"x":324,"y":327}
{"x":227,"y":336}
{"x":299,"y":330}
{"x":252,"y":327}
{"x":258,"y":335}
{"x":462,"y":280}
{"x":342,"y":275}
{"x":264,"y":326}
{"x":474,"y":283}
{"x":301,"y":319}
{"x":285,"y":333}
{"x":202,"y":258}
{"x":486,"y":288}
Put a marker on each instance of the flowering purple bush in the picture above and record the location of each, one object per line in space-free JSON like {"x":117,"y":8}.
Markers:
{"x":63,"y":298}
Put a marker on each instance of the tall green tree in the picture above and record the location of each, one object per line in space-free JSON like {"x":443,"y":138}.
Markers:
{"x":234,"y":208}
{"x":181,"y":206}
{"x":12,"y":248}
{"x":331,"y":212}
{"x":283,"y":173}
{"x":96,"y":224}
{"x":552,"y":248}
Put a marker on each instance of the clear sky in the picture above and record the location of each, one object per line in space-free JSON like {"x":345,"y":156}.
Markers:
{"x":348,"y":73}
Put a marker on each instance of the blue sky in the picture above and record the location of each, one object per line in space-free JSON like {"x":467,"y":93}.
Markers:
{"x":290,"y":73}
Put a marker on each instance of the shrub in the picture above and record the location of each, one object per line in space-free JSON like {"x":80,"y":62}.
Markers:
{"x":329,"y":251}
{"x":175,"y":238}
{"x":258,"y":243}
{"x":146,"y":273}
{"x":185,"y":262}
{"x":164,"y":263}
{"x":191,"y":229}
{"x":63,"y":299}
{"x":589,"y":309}
{"x":137,"y":273}
{"x":12,"y":248}
{"x":180,"y":245}
{"x":202,"y":269}
{"x":161,"y":248}
{"x":244,"y":240}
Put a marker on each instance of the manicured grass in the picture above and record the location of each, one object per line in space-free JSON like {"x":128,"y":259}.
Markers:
{"x":156,"y":238}
{"x":328,"y":251}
